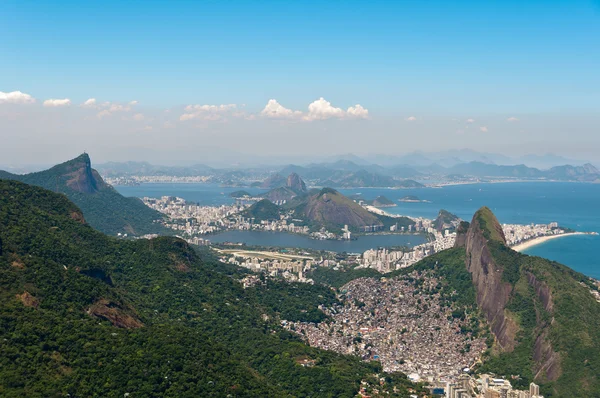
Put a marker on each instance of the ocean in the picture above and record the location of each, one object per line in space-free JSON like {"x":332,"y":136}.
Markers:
{"x":572,"y":205}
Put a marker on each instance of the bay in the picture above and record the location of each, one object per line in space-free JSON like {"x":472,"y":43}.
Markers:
{"x":572,"y":205}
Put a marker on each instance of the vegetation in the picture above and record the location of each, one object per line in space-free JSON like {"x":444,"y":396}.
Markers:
{"x":489,"y":225}
{"x":297,"y":302}
{"x":557,"y":341}
{"x":103,"y":207}
{"x":382,"y":201}
{"x":570,"y":324}
{"x":239,"y":194}
{"x":263,"y":210}
{"x":83,"y":314}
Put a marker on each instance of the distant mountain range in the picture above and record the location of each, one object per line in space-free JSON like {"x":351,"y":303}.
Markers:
{"x":123,"y":169}
{"x":406,"y":171}
{"x":587,"y":172}
{"x":103,"y":207}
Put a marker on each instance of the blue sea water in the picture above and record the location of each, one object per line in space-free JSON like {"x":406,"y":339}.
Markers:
{"x":573,"y":205}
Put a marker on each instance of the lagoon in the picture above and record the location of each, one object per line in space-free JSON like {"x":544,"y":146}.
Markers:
{"x":284,"y":239}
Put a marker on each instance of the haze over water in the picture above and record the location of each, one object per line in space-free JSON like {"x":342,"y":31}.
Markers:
{"x":572,"y":205}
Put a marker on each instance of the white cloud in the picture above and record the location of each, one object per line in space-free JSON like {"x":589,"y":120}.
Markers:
{"x":108,"y":108}
{"x":322,"y":109}
{"x":52,"y":103}
{"x":411,"y":119}
{"x":483,"y":129}
{"x":207,"y":112}
{"x":470,"y":120}
{"x":103,"y":114}
{"x":16,"y":97}
{"x":133,"y":103}
{"x":357,"y":111}
{"x":512,"y":119}
{"x":275,"y":110}
{"x":90,"y":103}
{"x":138,"y":117}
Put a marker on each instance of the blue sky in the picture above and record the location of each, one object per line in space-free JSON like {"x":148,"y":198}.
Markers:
{"x":428,"y":58}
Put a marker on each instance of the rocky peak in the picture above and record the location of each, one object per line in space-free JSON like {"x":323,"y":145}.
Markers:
{"x":589,"y":168}
{"x":295,"y":183}
{"x":79,"y":175}
{"x":493,"y":292}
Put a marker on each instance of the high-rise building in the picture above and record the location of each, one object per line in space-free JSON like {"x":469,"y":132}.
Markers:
{"x":534,"y":390}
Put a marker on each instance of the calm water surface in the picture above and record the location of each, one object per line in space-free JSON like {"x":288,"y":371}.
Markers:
{"x":572,"y":205}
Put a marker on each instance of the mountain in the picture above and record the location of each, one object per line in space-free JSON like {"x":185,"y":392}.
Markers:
{"x":103,"y":207}
{"x":366,"y":179}
{"x":543,"y":318}
{"x":331,"y":209}
{"x":402,"y":171}
{"x":274,"y":181}
{"x":124,"y":169}
{"x":445,"y":220}
{"x":86,"y":315}
{"x":294,"y":186}
{"x":587,"y":173}
{"x":295,"y":183}
{"x":479,"y":169}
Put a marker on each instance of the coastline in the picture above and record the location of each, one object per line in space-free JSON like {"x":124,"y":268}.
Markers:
{"x":541,"y":239}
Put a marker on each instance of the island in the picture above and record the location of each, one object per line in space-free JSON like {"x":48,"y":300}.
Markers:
{"x":412,"y":199}
{"x":239,"y":194}
{"x":382,"y":201}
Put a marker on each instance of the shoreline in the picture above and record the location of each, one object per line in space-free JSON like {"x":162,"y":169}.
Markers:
{"x":520,"y":247}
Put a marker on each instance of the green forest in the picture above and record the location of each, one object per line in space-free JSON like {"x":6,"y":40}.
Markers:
{"x":83,"y":314}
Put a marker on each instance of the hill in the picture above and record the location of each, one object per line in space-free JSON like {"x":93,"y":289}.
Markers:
{"x":103,"y":207}
{"x":445,"y":220}
{"x":263,"y":210}
{"x":330,"y":208}
{"x":84,"y":314}
{"x":544,"y":320}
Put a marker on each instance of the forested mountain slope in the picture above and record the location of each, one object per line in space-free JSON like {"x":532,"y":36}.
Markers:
{"x":83,"y":314}
{"x":104,"y":208}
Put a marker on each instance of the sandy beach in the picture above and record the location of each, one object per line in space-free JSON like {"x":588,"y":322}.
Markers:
{"x":536,"y":241}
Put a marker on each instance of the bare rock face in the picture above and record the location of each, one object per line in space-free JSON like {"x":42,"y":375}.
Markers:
{"x":461,"y":234}
{"x":295,"y":183}
{"x":492,"y":292}
{"x":81,"y":177}
{"x":115,"y":313}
